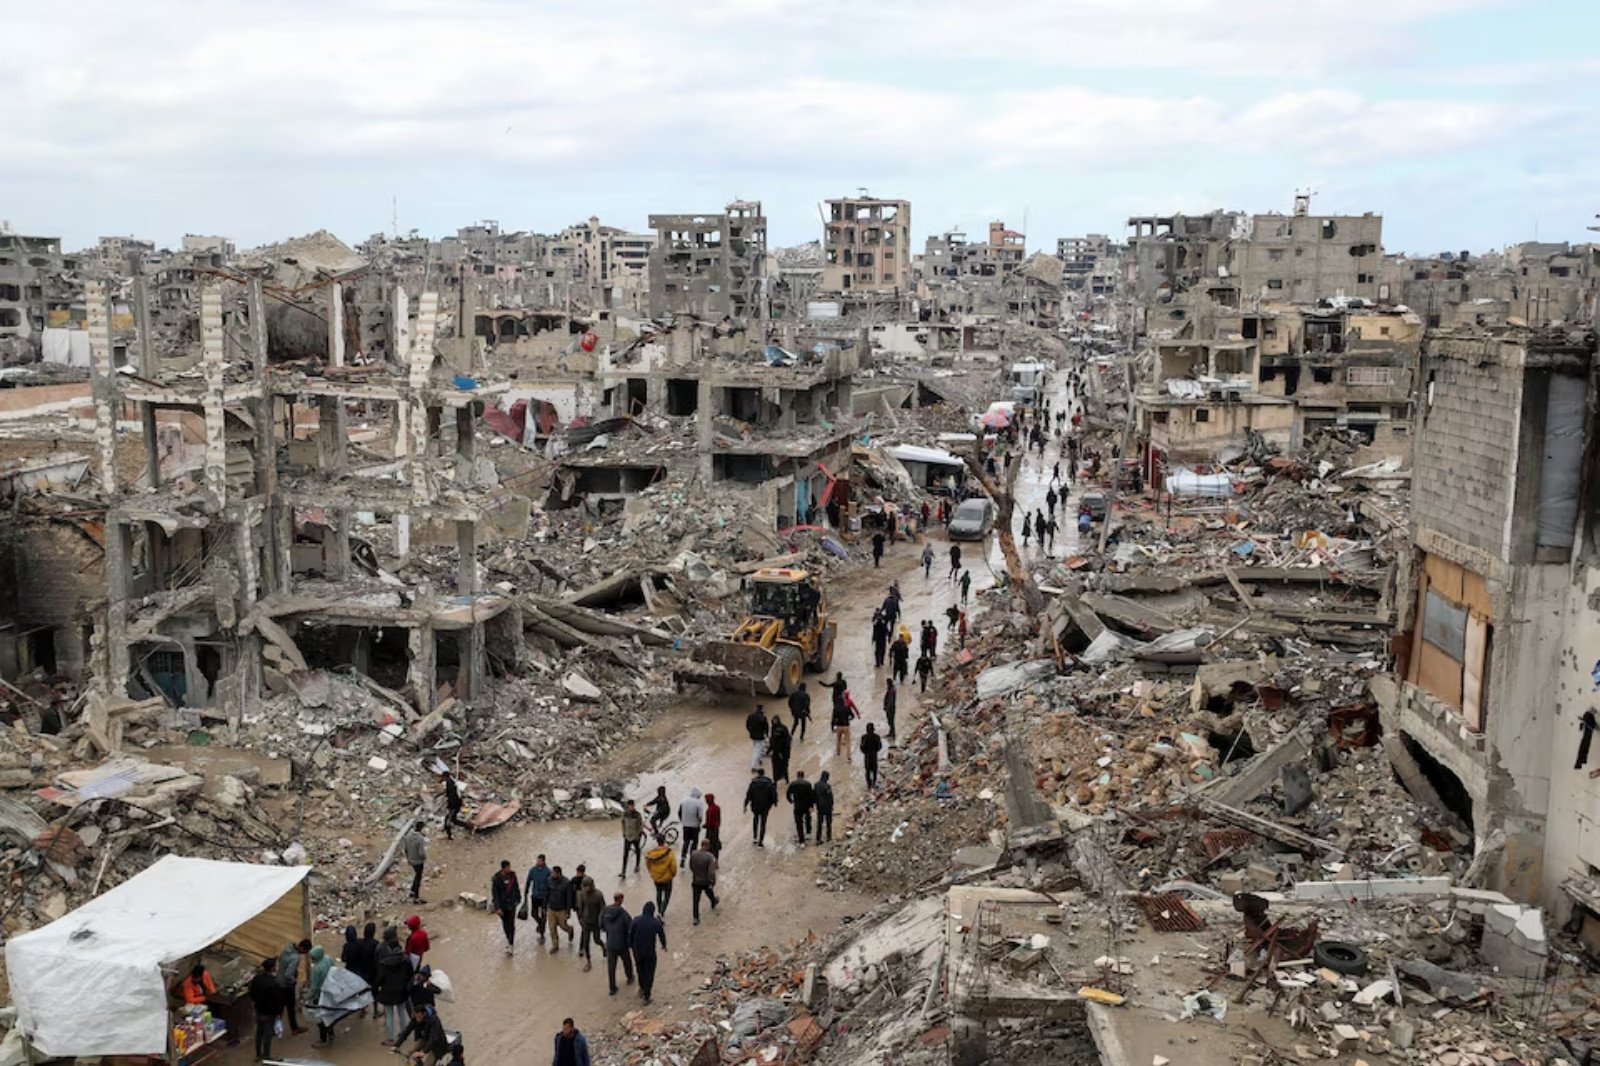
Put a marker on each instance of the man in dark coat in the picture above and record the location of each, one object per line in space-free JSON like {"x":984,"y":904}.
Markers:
{"x":803,"y":798}
{"x":824,"y":799}
{"x":759,"y":798}
{"x":642,"y":939}
{"x":617,"y":926}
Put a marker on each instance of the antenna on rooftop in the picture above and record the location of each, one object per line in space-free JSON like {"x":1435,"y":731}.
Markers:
{"x":394,"y":216}
{"x":1302,"y":202}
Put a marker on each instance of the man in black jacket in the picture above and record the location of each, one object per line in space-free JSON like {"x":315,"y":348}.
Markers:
{"x":617,"y":925}
{"x":880,"y":638}
{"x":432,"y":1045}
{"x":889,"y":703}
{"x":394,"y":982}
{"x":801,"y":795}
{"x":505,"y":895}
{"x":647,"y":930}
{"x":824,"y":800}
{"x":563,"y":899}
{"x":778,"y":746}
{"x":266,"y":997}
{"x":759,"y":798}
{"x":871,"y":744}
{"x":756,"y":726}
{"x":800,"y":709}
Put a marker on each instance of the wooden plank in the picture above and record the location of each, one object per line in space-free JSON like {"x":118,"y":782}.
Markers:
{"x":1239,"y":589}
{"x":1472,"y":672}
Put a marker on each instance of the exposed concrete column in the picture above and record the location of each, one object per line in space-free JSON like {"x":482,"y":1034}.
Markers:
{"x":465,"y":438}
{"x":413,"y":410}
{"x":147,"y":367}
{"x":969,"y":1041}
{"x":706,"y":410}
{"x":104,"y":384}
{"x":420,"y":672}
{"x":275,"y":572}
{"x":152,"y":450}
{"x":467,"y":561}
{"x":157,"y":551}
{"x":655,"y":393}
{"x":119,"y":571}
{"x":213,"y":364}
{"x":336,"y":324}
{"x":332,"y":457}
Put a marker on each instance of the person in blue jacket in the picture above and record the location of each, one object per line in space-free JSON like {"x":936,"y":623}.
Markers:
{"x":572,"y":1047}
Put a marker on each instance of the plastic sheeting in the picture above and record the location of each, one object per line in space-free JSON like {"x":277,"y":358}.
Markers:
{"x":998,"y":680}
{"x":910,"y":453}
{"x":1185,"y":482}
{"x":91,"y":983}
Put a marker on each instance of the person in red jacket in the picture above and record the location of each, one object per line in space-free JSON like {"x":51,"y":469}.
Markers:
{"x":417,"y":944}
{"x":712,"y":822}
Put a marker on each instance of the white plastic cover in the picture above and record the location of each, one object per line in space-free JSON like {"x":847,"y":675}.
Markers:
{"x":911,"y":453}
{"x":1185,"y":482}
{"x":91,"y":983}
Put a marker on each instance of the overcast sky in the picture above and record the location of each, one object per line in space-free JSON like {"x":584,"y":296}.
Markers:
{"x":1466,"y":123}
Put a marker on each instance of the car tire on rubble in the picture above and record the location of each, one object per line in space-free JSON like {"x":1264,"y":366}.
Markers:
{"x":790,"y":669}
{"x":824,"y":657}
{"x":1340,"y":957}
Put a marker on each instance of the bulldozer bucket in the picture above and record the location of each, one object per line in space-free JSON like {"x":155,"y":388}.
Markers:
{"x":732,"y":666}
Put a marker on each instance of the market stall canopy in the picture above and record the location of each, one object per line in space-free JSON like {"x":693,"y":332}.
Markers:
{"x":91,"y":983}
{"x":910,"y":453}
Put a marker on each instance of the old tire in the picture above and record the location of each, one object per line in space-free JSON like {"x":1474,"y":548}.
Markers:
{"x":824,"y":657}
{"x":1340,"y":957}
{"x":790,"y":669}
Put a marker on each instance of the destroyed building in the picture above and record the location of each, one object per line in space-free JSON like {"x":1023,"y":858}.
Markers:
{"x":36,"y":291}
{"x":711,"y":266}
{"x":1236,"y":259}
{"x":1497,"y":658}
{"x":866,"y":248}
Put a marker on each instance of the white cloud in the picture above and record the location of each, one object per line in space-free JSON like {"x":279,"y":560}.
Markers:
{"x":529,"y":111}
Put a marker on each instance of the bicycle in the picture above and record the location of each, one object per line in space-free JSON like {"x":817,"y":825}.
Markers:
{"x":666,"y":835}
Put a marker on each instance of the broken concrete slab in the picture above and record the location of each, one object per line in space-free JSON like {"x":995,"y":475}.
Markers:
{"x":1514,"y":941}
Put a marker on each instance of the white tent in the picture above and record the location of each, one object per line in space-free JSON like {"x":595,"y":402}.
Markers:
{"x":91,"y":983}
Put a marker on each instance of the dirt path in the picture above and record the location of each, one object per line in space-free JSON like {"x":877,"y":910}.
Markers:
{"x":508,"y":1006}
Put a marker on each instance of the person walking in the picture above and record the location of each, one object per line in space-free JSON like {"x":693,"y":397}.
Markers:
{"x":927,"y":562}
{"x":823,"y":796}
{"x":1050,"y":501}
{"x":759,"y":797}
{"x":778,"y":746}
{"x":289,"y":963}
{"x":617,"y":925}
{"x":889,"y":699}
{"x":537,"y":886}
{"x":590,"y":906}
{"x":966,"y":584}
{"x":691,"y":816}
{"x":842,"y":716}
{"x":755,"y":726}
{"x":880,"y":638}
{"x":900,"y":658}
{"x":877,"y":548}
{"x":891,"y":606}
{"x":800,"y":708}
{"x":572,"y":1047}
{"x":955,"y":561}
{"x":924,"y":670}
{"x":930,"y":639}
{"x":415,"y":846}
{"x":1050,"y":529}
{"x":663,"y":867}
{"x":713,"y":824}
{"x":647,"y":931}
{"x":961,"y":629}
{"x":563,"y":901}
{"x":452,"y":806}
{"x":360,"y":957}
{"x":505,"y":896}
{"x":871,"y":745}
{"x":1027,"y":528}
{"x":266,"y":998}
{"x":632,"y":836}
{"x":802,"y":798}
{"x":703,"y":878}
{"x":394,"y":981}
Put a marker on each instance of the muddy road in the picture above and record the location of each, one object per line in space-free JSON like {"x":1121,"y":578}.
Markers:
{"x":507,"y":1007}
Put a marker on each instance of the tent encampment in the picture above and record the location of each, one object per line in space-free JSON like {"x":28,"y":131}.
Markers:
{"x":91,"y":983}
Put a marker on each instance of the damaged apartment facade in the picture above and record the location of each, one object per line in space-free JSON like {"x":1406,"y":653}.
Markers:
{"x":260,"y":536}
{"x":1256,"y":337}
{"x":1499,"y":654}
{"x":770,"y":422}
{"x":711,"y":266}
{"x":867,"y":253}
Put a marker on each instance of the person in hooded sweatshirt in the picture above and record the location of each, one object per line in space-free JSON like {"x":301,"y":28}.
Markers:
{"x":647,"y":930}
{"x":663,"y":867}
{"x":691,"y":815}
{"x":289,"y":960}
{"x":360,"y":956}
{"x":823,"y":796}
{"x":393,"y":982}
{"x":321,"y":963}
{"x":713,"y":824}
{"x":417,"y":943}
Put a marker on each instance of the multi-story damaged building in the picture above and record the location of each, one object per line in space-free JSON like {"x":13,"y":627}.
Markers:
{"x":771,"y":420}
{"x":277,"y":494}
{"x":1500,"y":605}
{"x":1534,"y":284}
{"x":1079,"y":257}
{"x":34,"y":285}
{"x":712,"y":266}
{"x":612,"y":266}
{"x":1237,"y":260}
{"x":866,"y":247}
